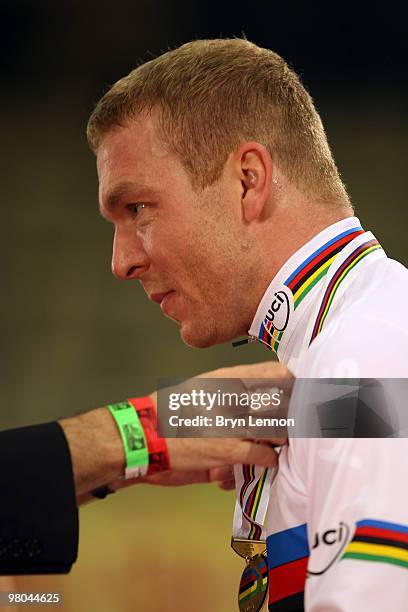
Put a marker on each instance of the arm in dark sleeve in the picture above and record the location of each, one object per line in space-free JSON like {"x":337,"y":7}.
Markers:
{"x":38,"y":513}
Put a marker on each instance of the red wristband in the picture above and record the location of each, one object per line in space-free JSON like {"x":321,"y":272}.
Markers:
{"x":158,"y":454}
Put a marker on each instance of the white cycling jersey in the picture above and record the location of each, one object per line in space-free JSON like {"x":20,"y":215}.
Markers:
{"x":337,"y":521}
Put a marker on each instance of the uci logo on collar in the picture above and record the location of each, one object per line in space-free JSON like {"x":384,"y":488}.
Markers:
{"x":278,"y":312}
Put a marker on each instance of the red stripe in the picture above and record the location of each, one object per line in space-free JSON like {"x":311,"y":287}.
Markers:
{"x":377,"y":532}
{"x":247,"y":481}
{"x":250,"y":499}
{"x":344,"y":265}
{"x":287,"y":579}
{"x":251,"y":578}
{"x":329,"y":249}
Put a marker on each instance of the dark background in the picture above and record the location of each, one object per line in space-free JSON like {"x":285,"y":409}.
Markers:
{"x":72,"y":336}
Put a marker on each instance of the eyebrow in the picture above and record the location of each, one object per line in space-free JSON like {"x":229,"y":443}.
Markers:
{"x":113,"y":197}
{"x":117,"y":192}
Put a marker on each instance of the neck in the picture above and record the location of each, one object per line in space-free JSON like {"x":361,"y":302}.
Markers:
{"x":290,"y":305}
{"x":284,"y":233}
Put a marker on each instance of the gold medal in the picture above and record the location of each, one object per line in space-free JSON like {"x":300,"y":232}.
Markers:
{"x":248,"y":548}
{"x":253,"y":586}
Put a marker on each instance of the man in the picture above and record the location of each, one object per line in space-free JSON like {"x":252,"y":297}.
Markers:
{"x":228,"y":207}
{"x":55,"y":466}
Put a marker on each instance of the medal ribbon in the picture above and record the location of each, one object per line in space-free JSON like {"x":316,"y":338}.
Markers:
{"x":253,"y":485}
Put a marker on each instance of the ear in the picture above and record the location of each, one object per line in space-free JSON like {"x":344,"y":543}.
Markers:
{"x":254,"y":165}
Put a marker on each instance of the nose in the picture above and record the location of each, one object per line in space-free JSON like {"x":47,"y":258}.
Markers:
{"x":129,"y":259}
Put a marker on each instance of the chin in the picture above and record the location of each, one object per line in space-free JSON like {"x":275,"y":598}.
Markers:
{"x":196,"y":341}
{"x":202,"y":338}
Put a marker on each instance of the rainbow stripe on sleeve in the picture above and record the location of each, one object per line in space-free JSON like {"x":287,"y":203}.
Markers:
{"x":379,"y":541}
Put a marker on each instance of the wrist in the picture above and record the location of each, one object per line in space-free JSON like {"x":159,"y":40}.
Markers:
{"x":157,"y":446}
{"x":96,"y":449}
{"x":133,"y":439}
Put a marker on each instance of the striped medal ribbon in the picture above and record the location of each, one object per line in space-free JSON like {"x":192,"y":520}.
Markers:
{"x":253,"y":486}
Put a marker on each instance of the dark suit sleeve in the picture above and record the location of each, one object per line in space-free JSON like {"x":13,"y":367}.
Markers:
{"x":38,"y":513}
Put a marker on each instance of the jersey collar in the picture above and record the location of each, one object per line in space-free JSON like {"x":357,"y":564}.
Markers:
{"x":288,"y":302}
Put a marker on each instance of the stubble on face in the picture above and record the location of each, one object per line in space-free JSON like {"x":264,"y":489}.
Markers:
{"x":222,"y":263}
{"x":197,"y":244}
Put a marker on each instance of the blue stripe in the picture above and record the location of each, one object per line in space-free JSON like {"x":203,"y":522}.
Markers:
{"x":286,"y":546}
{"x":383,"y":525}
{"x":302,"y":265}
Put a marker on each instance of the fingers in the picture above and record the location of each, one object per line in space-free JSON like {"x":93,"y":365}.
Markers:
{"x":273,"y":441}
{"x":177,"y":479}
{"x":227,"y":485}
{"x":278,"y":441}
{"x":266,"y":369}
{"x":254,"y":454}
{"x":224,"y":477}
{"x":190,"y":454}
{"x":226,"y":472}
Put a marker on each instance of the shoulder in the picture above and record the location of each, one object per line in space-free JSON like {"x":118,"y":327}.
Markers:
{"x":368,"y":334}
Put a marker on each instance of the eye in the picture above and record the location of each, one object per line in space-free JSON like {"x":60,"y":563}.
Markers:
{"x":135,"y":208}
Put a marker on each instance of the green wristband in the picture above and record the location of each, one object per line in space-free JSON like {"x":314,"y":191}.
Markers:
{"x":133,"y":438}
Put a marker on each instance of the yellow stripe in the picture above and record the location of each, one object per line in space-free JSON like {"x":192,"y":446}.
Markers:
{"x":378,"y":549}
{"x":312,"y":278}
{"x":259,"y":489}
{"x":272,"y":337}
{"x":253,"y":588}
{"x":248,"y":591}
{"x":351,"y":265}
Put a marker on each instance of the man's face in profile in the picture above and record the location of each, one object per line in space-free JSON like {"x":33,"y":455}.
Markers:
{"x":186,"y":247}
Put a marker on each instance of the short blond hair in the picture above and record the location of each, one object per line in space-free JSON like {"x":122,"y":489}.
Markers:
{"x":213,"y":95}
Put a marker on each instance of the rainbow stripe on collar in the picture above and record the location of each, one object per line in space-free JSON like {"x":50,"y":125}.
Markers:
{"x":305,"y":277}
{"x":348,"y":264}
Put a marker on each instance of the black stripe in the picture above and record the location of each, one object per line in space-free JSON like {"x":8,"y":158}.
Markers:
{"x":248,"y":585}
{"x":317,"y":266}
{"x":381,"y":541}
{"x":294,"y":603}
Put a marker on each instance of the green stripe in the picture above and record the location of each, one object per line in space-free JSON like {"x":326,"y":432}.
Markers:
{"x":278,"y":339}
{"x":351,"y":265}
{"x":261,"y":485}
{"x":250,"y":595}
{"x":377,"y":558}
{"x":316,"y":280}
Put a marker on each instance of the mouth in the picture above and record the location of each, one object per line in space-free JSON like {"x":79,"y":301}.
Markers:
{"x":159,"y":297}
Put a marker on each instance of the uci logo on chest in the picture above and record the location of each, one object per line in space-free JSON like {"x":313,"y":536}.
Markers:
{"x":278,"y":311}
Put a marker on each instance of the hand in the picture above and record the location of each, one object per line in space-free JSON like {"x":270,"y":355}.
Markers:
{"x":265,"y":369}
{"x":98,"y":457}
{"x":188,"y":456}
{"x":171,"y":478}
